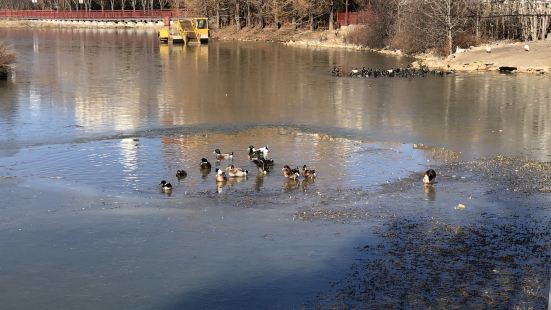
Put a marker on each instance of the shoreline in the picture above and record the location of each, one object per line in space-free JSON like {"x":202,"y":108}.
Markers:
{"x":472,"y":59}
{"x":301,"y":38}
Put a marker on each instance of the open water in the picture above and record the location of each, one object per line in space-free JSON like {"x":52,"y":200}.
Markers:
{"x":101,"y":116}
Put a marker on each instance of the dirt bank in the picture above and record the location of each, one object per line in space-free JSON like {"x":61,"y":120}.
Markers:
{"x":298,"y":37}
{"x":511,"y":54}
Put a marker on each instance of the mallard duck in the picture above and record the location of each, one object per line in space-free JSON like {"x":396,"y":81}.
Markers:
{"x":165,"y":186}
{"x":180,"y":174}
{"x":262,"y":166}
{"x":429,"y":177}
{"x":308,"y":173}
{"x":290,"y":173}
{"x":205,"y":164}
{"x":220,"y":155}
{"x":233,"y":171}
{"x":220,"y":176}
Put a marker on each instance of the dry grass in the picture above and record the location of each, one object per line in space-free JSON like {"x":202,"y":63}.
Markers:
{"x":7,"y":57}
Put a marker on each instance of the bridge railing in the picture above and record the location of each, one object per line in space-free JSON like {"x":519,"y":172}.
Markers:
{"x":126,"y":14}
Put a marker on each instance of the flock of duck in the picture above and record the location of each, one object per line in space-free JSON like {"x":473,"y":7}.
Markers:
{"x":257,"y":156}
{"x":408,"y":72}
{"x":264,"y":164}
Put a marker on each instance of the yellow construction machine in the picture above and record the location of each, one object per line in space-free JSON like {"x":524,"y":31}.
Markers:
{"x":186,"y":30}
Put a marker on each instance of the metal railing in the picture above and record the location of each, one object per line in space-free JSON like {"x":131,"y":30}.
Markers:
{"x":94,"y":15}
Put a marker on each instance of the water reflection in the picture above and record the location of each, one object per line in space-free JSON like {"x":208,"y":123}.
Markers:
{"x":259,"y":182}
{"x":430,"y":192}
{"x":117,"y":80}
{"x":129,"y":160}
{"x":290,"y":185}
{"x":8,"y":114}
{"x":132,"y":166}
{"x":306,"y":183}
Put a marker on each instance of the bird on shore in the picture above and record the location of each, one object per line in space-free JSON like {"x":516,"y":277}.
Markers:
{"x":488,"y":49}
{"x":205,"y":164}
{"x":234,"y":172}
{"x":527,"y":47}
{"x":290,"y":173}
{"x":220,"y":155}
{"x":308,"y":173}
{"x":220,"y":176}
{"x":429,"y":177}
{"x":180,"y":174}
{"x":165,"y":186}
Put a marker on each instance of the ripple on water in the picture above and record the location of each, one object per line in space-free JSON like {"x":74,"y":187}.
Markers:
{"x":136,"y":165}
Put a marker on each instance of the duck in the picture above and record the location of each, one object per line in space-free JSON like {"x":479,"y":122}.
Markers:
{"x":180,"y":174}
{"x":429,"y":177}
{"x":205,"y":164}
{"x":527,"y":47}
{"x":308,"y":173}
{"x":269,"y":162}
{"x":165,"y":186}
{"x":233,"y":171}
{"x":220,"y":155}
{"x":254,"y":153}
{"x":488,"y":49}
{"x":263,"y":167}
{"x":220,"y":176}
{"x":290,"y":173}
{"x":265,"y":161}
{"x":264,"y":151}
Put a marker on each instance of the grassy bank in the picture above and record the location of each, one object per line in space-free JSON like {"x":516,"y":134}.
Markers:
{"x":7,"y":58}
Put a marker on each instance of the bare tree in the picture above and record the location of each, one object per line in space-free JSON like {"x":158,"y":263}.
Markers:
{"x":445,"y":18}
{"x":162,"y":4}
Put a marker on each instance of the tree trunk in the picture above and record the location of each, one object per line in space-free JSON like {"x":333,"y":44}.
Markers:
{"x":331,"y":22}
{"x":249,"y":15}
{"x":237,"y":17}
{"x":311,"y":21}
{"x":477,"y":31}
{"x":449,"y":27}
{"x":218,"y":14}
